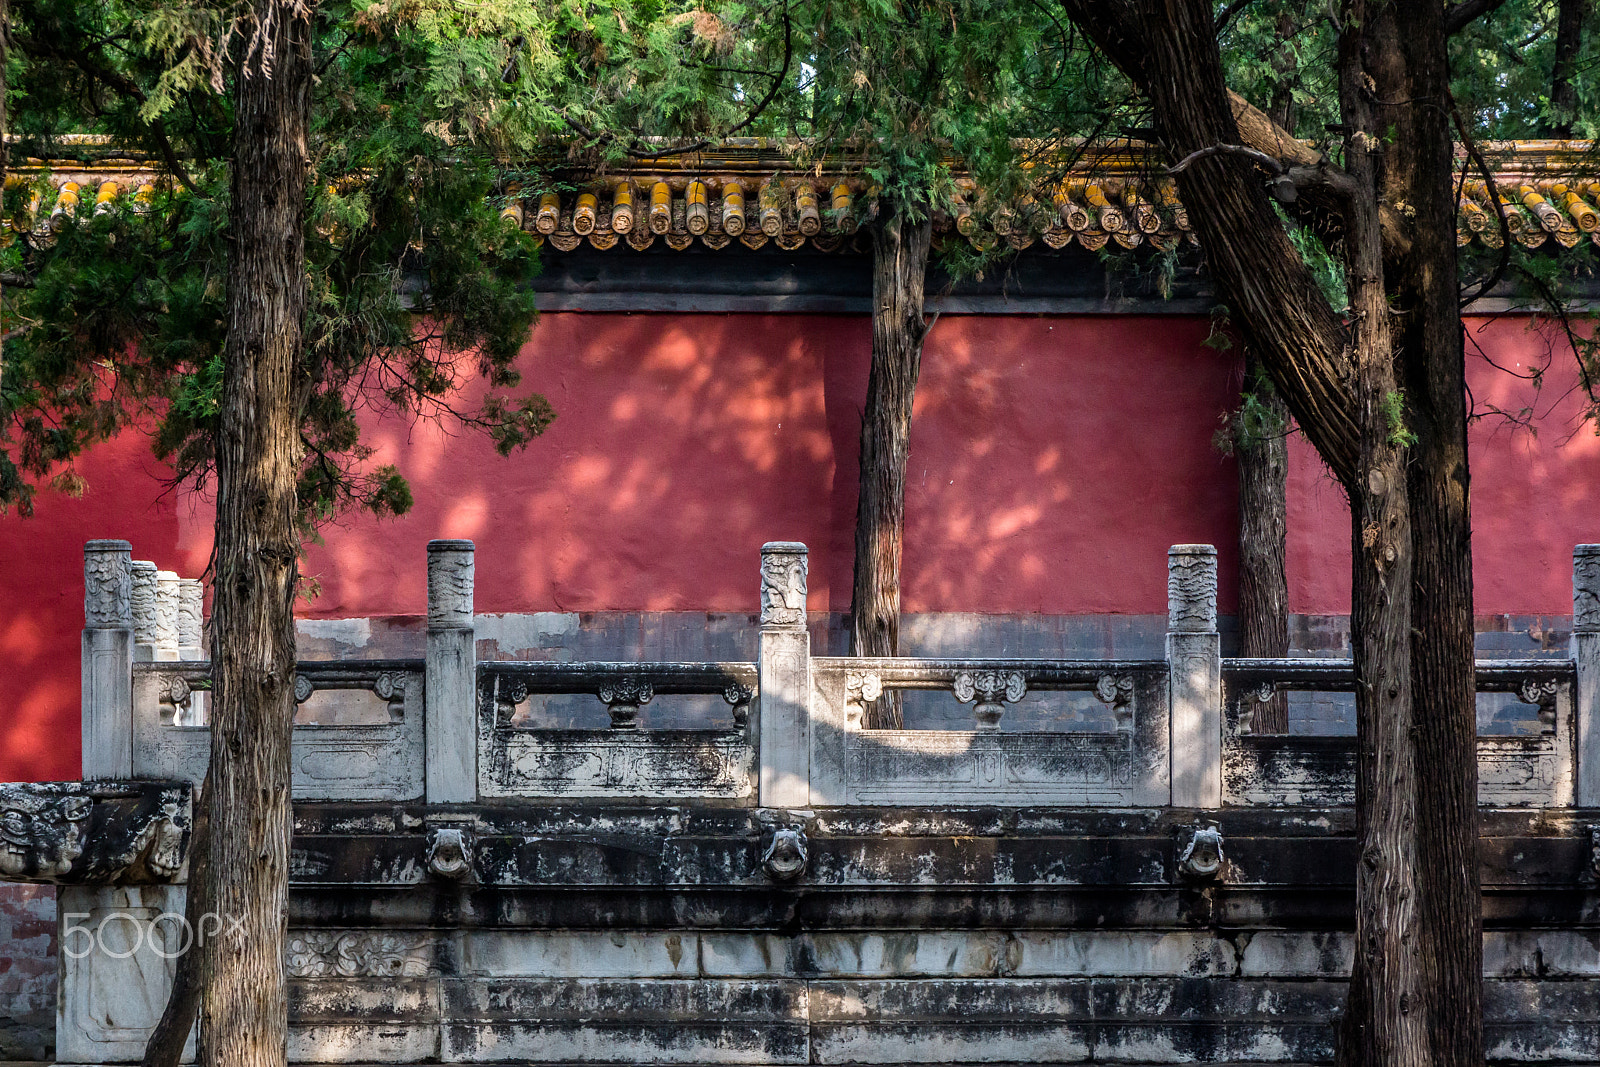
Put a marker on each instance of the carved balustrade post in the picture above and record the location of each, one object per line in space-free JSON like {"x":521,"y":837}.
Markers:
{"x":107,"y":663}
{"x":191,"y":619}
{"x":1194,"y":665}
{"x":450,"y":727}
{"x":168,"y":586}
{"x":783,"y":722}
{"x":145,"y":598}
{"x":1586,"y":650}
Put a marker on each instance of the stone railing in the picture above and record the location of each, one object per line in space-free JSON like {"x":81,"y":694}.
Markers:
{"x":782,"y":884}
{"x":1530,"y":770}
{"x":380,"y":760}
{"x":447,"y":729}
{"x":622,"y":761}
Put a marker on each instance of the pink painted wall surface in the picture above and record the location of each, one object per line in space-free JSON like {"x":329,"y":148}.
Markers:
{"x":683,"y":443}
{"x":1053,"y":460}
{"x":1534,"y":494}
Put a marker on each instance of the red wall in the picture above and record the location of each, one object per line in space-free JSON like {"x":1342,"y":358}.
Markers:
{"x":1053,"y":460}
{"x":683,"y":443}
{"x":1535,"y":492}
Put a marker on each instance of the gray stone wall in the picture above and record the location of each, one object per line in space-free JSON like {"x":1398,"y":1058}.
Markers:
{"x":27,"y":971}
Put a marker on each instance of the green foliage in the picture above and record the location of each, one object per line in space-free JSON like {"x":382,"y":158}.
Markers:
{"x":1394,"y":414}
{"x":415,"y":284}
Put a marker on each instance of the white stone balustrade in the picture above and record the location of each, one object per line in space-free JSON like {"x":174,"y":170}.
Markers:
{"x":1586,"y":653}
{"x":784,"y":663}
{"x":107,"y":663}
{"x":451,"y":738}
{"x":805,"y":737}
{"x":1194,"y":664}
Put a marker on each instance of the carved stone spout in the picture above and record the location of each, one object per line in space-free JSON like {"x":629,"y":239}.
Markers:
{"x":1201,"y":857}
{"x":450,"y":852}
{"x":786,"y":855}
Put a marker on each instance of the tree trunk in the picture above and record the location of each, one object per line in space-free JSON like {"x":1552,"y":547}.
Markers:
{"x":1415,"y":995}
{"x":244,"y":1011}
{"x":899,"y":272}
{"x":1383,"y":1024}
{"x":1262,"y":454}
{"x":1569,"y":40}
{"x":1410,"y":67}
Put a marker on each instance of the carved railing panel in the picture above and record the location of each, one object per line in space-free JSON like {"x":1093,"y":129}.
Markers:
{"x":622,"y":762}
{"x":1532,"y":770}
{"x":1125,"y":766}
{"x":369,"y":761}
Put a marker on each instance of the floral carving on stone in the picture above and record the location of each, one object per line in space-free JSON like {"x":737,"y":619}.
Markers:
{"x":623,"y":698}
{"x":738,"y":697}
{"x":990,"y":691}
{"x":352,"y":954}
{"x":861,"y":688}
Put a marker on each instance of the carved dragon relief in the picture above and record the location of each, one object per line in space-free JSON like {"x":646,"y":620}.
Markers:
{"x":107,"y":587}
{"x":93,"y":833}
{"x":1192,"y":591}
{"x":783,"y":589}
{"x":1586,"y":591}
{"x":1200,"y":854}
{"x":450,"y":582}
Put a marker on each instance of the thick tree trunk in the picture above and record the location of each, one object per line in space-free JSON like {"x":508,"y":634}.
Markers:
{"x":1263,"y":460}
{"x":1410,"y":67}
{"x":1415,"y":995}
{"x":1569,"y":40}
{"x":1383,"y":1024}
{"x":244,"y":1011}
{"x":899,"y":272}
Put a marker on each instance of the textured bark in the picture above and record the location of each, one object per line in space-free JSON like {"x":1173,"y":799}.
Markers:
{"x":1415,"y":995}
{"x":244,"y":1012}
{"x":899,"y":272}
{"x":165,"y":1047}
{"x":1410,"y":68}
{"x":1382,"y":1023}
{"x":1569,"y":40}
{"x":1263,"y":463}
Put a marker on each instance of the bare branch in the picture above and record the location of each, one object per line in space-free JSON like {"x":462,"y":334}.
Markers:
{"x":1230,"y":11}
{"x":1231,"y":149}
{"x":1459,"y":16}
